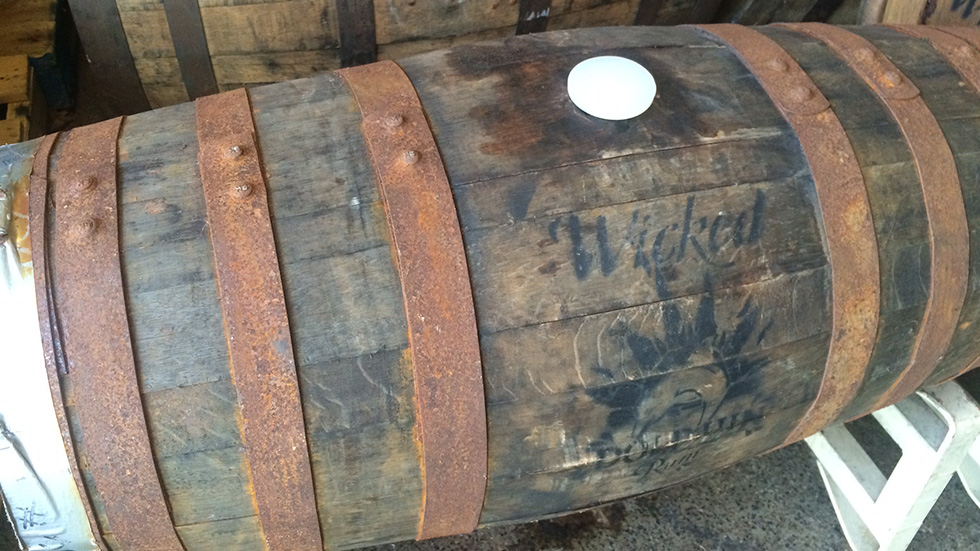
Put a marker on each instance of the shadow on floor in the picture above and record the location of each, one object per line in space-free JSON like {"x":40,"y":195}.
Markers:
{"x":773,"y":502}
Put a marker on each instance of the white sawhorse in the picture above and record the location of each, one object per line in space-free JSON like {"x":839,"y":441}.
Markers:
{"x":936,"y":429}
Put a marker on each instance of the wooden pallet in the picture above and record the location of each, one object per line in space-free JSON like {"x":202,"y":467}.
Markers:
{"x":27,"y":27}
{"x":42,"y":30}
{"x":21,"y":103}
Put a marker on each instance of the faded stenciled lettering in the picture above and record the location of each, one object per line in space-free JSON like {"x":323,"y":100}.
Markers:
{"x":965,"y":8}
{"x":657,"y":246}
{"x":674,"y":407}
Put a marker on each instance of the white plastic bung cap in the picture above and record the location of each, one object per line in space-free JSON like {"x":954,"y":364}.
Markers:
{"x":611,"y":87}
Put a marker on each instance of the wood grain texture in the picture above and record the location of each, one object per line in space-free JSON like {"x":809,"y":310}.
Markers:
{"x":954,"y":12}
{"x":27,"y":27}
{"x":897,"y":209}
{"x":652,"y":295}
{"x":904,"y":12}
{"x":957,"y":109}
{"x":263,"y":41}
{"x":845,"y":214}
{"x":15,"y":75}
{"x":629,"y":324}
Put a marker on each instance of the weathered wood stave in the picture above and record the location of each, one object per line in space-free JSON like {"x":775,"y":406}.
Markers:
{"x":225,"y":45}
{"x":733,"y":343}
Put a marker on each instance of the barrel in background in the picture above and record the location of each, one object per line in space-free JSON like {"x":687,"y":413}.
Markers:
{"x":161,"y":53}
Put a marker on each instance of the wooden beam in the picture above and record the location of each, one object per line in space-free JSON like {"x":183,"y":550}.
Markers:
{"x":107,"y":50}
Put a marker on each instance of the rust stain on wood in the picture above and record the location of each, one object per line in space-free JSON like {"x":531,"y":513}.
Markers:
{"x":90,"y":311}
{"x":945,"y":210}
{"x":438,"y":299}
{"x":846,"y":212}
{"x":256,"y":323}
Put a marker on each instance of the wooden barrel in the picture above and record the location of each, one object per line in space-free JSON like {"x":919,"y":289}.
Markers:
{"x":157,"y":53}
{"x":786,"y":238}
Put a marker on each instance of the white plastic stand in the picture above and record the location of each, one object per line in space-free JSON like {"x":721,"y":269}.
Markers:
{"x":969,"y":472}
{"x":935,"y":428}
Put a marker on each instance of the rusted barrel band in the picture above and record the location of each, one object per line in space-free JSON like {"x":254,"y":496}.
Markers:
{"x":846,"y":213}
{"x":253,"y":306}
{"x":428,"y":246}
{"x":90,"y":308}
{"x":945,"y":211}
{"x":958,"y":52}
{"x":961,"y":48}
{"x":50,"y":336}
{"x":970,"y":34}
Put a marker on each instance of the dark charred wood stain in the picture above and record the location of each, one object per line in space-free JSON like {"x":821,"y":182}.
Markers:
{"x":637,"y":408}
{"x":532,"y":108}
{"x":520,"y":198}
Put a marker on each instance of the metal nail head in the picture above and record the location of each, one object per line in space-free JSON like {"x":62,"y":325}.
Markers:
{"x":85,"y":228}
{"x":86,"y":184}
{"x":800,"y":94}
{"x":893,"y":77}
{"x":391,"y":121}
{"x":242,"y":191}
{"x":779,"y":65}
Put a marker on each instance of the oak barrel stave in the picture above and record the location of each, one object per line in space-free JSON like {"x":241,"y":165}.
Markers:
{"x":897,"y":209}
{"x":568,"y":455}
{"x":611,"y":368}
{"x":958,"y":113}
{"x":270,"y":41}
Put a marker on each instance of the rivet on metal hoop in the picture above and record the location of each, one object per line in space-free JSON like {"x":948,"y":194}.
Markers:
{"x":864,"y":54}
{"x":800,"y":94}
{"x":893,"y":77}
{"x":85,"y":228}
{"x":86,"y":184}
{"x":412,"y":157}
{"x":392,"y":121}
{"x":779,"y":65}
{"x":242,"y":191}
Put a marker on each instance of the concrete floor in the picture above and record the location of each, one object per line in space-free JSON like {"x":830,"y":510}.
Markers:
{"x":774,"y":502}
